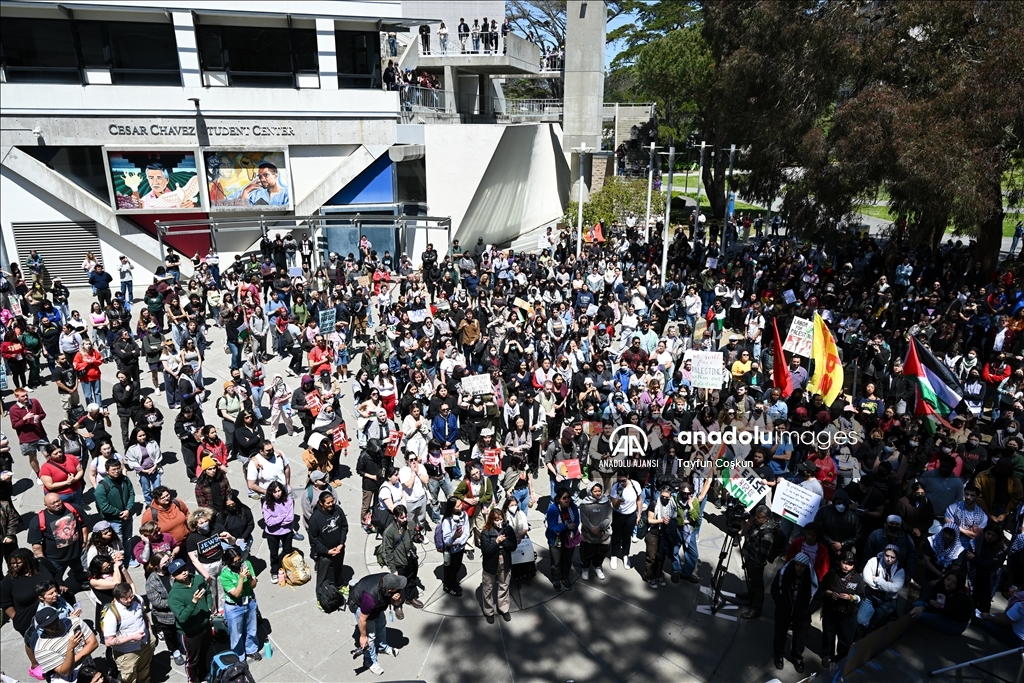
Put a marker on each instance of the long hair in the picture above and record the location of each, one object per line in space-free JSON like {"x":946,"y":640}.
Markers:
{"x":492,"y":519}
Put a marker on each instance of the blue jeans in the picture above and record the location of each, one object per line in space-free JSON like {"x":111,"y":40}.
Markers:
{"x":377,"y":631}
{"x":939,"y":623}
{"x":148,"y":482}
{"x":684,"y":558}
{"x":434,"y":486}
{"x":1004,"y":634}
{"x":74,"y":498}
{"x":126,"y":290}
{"x":257,"y":398}
{"x":123,"y":529}
{"x":171,"y":389}
{"x":236,"y":355}
{"x":241,"y":621}
{"x":523,"y":497}
{"x":91,"y":392}
{"x":874,"y":609}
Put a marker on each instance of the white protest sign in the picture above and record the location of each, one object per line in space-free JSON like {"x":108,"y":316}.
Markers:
{"x":477,"y":385}
{"x":745,"y":485}
{"x":419,"y":315}
{"x":795,"y":503}
{"x":789,"y":297}
{"x":327,"y":319}
{"x":706,"y":370}
{"x":800,"y":337}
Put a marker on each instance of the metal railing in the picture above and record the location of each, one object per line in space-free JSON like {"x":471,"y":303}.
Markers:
{"x":528,"y":108}
{"x":415,"y":98}
{"x":454,"y":46}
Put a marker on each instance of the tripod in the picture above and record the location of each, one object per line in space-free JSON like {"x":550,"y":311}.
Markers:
{"x":721,"y":570}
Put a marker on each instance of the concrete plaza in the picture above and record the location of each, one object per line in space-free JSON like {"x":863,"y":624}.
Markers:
{"x":613,"y":630}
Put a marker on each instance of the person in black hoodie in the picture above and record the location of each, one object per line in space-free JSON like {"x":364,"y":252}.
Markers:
{"x":793,"y":591}
{"x":370,"y":467}
{"x":840,"y":594}
{"x":328,"y":532}
{"x":840,"y":526}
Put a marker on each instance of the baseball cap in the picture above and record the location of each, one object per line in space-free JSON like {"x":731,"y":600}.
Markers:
{"x":317,"y":475}
{"x":46,"y":616}
{"x":176,"y":566}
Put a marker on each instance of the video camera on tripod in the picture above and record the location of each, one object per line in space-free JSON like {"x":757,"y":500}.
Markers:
{"x":735,"y":515}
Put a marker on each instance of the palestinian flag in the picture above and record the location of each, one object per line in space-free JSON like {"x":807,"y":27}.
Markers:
{"x":938,"y":391}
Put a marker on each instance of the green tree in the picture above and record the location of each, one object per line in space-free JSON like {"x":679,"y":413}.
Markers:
{"x":614,"y":202}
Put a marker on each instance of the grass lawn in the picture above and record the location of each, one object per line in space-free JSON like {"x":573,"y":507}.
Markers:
{"x":882,"y":213}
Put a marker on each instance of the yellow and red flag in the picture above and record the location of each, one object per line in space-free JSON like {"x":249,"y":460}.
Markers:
{"x":828,"y":369}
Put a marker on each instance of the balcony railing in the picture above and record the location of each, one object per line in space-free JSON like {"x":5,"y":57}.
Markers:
{"x":454,"y":46}
{"x":523,"y":109}
{"x":415,"y":98}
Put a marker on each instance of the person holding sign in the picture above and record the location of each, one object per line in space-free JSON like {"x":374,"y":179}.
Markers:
{"x":563,"y":463}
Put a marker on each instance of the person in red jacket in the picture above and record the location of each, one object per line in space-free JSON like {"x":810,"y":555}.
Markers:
{"x":87,"y":363}
{"x":27,"y":417}
{"x":810,"y":545}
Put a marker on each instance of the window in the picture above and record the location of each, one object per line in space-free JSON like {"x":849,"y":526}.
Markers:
{"x":81,"y":165}
{"x":44,"y":51}
{"x":39,"y":51}
{"x":358,"y":59}
{"x":258,"y":57}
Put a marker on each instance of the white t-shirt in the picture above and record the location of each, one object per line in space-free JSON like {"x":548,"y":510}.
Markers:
{"x":263,"y":471}
{"x":413,"y":496}
{"x":133,"y":621}
{"x":629,"y":492}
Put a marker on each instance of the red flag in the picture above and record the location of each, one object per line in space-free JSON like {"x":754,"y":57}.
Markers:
{"x":598,"y":233}
{"x":780,"y":373}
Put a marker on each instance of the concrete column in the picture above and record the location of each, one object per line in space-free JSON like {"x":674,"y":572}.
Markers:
{"x":583,"y":101}
{"x":327,"y":54}
{"x":451,"y":89}
{"x":188,"y":52}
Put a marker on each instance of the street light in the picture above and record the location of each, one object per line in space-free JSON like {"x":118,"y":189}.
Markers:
{"x":668,"y":214}
{"x":650,"y":186}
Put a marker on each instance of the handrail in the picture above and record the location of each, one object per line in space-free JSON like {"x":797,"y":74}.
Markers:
{"x":413,"y":97}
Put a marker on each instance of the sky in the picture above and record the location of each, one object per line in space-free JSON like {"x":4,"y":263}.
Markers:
{"x":613,"y":49}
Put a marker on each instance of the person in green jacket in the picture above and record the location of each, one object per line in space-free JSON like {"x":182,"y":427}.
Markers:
{"x":33,"y":344}
{"x":190,"y":604}
{"x":115,"y":497}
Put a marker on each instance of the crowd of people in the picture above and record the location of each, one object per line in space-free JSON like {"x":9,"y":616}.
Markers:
{"x":468,"y":374}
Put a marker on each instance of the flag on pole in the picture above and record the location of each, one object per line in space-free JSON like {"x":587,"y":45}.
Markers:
{"x":828,"y":370}
{"x":939,"y":392}
{"x":780,"y":373}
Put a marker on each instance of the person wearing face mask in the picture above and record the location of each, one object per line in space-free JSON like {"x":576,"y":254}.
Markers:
{"x":893,"y":534}
{"x":945,"y":448}
{"x":328,"y":533}
{"x":661,"y":529}
{"x":840,"y":526}
{"x":975,"y":392}
{"x":306,"y":402}
{"x":973,"y":455}
{"x":842,"y":588}
{"x":205,"y":551}
{"x":883,"y":580}
{"x":793,"y":591}
{"x":917,"y":513}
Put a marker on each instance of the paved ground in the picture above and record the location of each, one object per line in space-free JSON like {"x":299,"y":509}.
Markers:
{"x":612,"y":630}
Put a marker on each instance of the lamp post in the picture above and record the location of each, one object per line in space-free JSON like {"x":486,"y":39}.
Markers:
{"x":650,"y":186}
{"x":727,"y":229}
{"x":582,"y":151}
{"x":668,"y":214}
{"x":700,"y":175}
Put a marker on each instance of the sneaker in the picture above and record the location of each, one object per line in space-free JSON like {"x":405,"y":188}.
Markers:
{"x":613,"y":563}
{"x":751,"y":614}
{"x":133,"y":564}
{"x":780,"y":663}
{"x":798,"y":664}
{"x":377,"y":669}
{"x":558,"y":586}
{"x":586,"y":574}
{"x":254,"y":495}
{"x":826,"y":662}
{"x":652,"y":583}
{"x":255,"y":656}
{"x":626,"y":564}
{"x":662,"y":582}
{"x":178,"y":658}
{"x":675,"y":577}
{"x":298,"y":537}
{"x":599,"y":572}
{"x":506,"y":616}
{"x":567,"y":585}
{"x":273,"y":578}
{"x":37,"y":672}
{"x":692,"y":578}
{"x":489,"y":618}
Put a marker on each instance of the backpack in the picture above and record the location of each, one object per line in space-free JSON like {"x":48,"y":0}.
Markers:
{"x":68,"y":508}
{"x":328,"y":597}
{"x":295,"y":568}
{"x":439,"y":538}
{"x":226,"y":667}
{"x":155,"y":511}
{"x":108,"y":608}
{"x":355,"y":594}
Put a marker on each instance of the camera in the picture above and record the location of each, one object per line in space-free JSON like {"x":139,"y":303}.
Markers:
{"x":735,"y":515}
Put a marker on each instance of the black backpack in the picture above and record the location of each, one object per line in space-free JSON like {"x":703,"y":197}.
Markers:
{"x":328,"y":596}
{"x":226,"y":667}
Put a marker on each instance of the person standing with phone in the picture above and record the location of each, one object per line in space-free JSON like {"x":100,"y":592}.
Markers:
{"x":190,"y":604}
